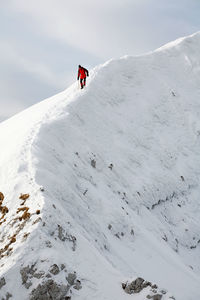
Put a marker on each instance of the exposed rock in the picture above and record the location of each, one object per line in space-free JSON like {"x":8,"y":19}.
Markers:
{"x":1,"y":196}
{"x":85,"y":192}
{"x":8,"y":296}
{"x":182,"y":178}
{"x":54,"y":269}
{"x":62,"y":266}
{"x":161,"y":201}
{"x":93,"y":163}
{"x":77,"y":285}
{"x":135,"y":286}
{"x":29,"y":272}
{"x":156,"y":297}
{"x":28,"y":284}
{"x":63,"y":236}
{"x":123,"y":285}
{"x":117,"y":235}
{"x":139,"y":284}
{"x":110,"y":166}
{"x":154,"y":286}
{"x":39,"y":274}
{"x":25,"y":272}
{"x":24,"y":196}
{"x":147,"y":283}
{"x":2,"y":282}
{"x":49,"y":290}
{"x":48,"y":244}
{"x":71,"y":278}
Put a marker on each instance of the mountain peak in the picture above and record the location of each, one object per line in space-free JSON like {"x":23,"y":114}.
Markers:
{"x":193,"y":39}
{"x":100,"y":186}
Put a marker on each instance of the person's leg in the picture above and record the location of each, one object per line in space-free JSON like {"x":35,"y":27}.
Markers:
{"x":84,"y":81}
{"x":81,"y":82}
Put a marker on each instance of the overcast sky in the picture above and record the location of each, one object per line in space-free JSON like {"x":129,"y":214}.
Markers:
{"x":43,"y":41}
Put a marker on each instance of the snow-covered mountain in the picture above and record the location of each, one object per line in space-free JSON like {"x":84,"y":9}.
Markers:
{"x":109,"y":184}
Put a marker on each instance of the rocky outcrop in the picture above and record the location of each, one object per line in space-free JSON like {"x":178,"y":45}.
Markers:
{"x":47,"y":285}
{"x":49,"y":290}
{"x":2,"y":282}
{"x":136,"y":286}
{"x":152,"y":291}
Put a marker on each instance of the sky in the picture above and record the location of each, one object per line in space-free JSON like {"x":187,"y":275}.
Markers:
{"x":42,"y":42}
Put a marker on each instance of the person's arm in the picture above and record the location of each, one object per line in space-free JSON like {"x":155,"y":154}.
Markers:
{"x":87,"y":73}
{"x":78,"y":74}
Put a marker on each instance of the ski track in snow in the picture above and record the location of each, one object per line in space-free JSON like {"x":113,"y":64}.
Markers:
{"x":114,"y":171}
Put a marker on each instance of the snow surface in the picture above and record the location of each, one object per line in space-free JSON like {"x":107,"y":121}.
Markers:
{"x":114,"y":170}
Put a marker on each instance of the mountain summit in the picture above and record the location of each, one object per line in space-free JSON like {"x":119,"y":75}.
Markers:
{"x":100,"y":187}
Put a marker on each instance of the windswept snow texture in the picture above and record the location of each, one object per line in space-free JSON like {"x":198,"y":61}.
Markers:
{"x":113,"y":172}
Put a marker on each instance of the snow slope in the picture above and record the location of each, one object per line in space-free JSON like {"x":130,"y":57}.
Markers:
{"x":113,"y":172}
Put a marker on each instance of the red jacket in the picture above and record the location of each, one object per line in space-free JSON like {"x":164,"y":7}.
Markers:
{"x":82,"y":73}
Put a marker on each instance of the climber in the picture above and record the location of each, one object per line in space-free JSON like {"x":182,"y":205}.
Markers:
{"x":82,"y":73}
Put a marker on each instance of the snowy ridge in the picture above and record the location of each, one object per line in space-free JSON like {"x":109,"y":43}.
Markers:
{"x":112,"y":174}
{"x":182,"y":42}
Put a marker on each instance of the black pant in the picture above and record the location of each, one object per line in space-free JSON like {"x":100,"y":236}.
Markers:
{"x":83,"y":82}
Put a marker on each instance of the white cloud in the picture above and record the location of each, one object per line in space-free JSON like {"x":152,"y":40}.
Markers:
{"x":98,"y":27}
{"x":108,"y":28}
{"x":9,"y":53}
